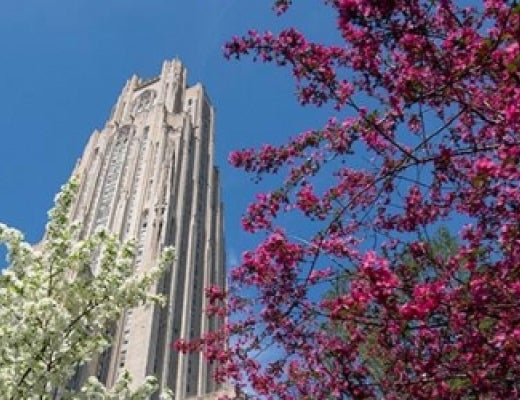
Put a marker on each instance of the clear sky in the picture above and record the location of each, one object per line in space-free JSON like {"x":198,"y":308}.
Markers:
{"x":64,"y":62}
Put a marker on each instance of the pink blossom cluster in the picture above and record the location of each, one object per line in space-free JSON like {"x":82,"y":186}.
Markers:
{"x":367,"y":307}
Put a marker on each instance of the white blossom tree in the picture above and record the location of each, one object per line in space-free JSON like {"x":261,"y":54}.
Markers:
{"x":54,"y":313}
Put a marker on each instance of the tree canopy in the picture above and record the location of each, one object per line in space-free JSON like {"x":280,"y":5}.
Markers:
{"x":428,"y":93}
{"x":55,"y":314}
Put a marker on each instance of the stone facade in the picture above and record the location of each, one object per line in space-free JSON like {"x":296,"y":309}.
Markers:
{"x":149,"y":175}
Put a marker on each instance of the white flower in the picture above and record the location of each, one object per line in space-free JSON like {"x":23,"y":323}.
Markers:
{"x":54,"y":311}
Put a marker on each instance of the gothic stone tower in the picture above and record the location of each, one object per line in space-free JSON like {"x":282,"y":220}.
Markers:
{"x":149,"y":175}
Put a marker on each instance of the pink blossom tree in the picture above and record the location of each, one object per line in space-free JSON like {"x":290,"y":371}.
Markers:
{"x":430,"y":94}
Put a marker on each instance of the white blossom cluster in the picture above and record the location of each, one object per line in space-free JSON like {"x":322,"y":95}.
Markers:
{"x":55,"y":314}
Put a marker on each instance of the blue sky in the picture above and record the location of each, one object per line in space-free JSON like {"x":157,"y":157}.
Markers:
{"x":63,"y":63}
